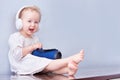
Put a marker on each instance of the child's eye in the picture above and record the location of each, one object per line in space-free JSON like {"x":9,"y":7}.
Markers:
{"x":29,"y":21}
{"x":36,"y":22}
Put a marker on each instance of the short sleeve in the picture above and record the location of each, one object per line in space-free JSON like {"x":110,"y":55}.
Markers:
{"x":16,"y":44}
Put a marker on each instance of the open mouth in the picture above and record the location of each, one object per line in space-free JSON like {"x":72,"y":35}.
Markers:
{"x":31,"y":30}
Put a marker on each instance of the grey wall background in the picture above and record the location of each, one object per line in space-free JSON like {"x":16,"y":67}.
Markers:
{"x":71,"y":25}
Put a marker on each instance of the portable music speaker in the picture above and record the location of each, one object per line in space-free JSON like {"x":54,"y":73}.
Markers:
{"x":48,"y":53}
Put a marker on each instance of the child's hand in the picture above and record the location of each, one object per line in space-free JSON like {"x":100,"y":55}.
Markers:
{"x":37,"y":46}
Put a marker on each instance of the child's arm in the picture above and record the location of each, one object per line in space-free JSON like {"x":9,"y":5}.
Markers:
{"x":29,"y":49}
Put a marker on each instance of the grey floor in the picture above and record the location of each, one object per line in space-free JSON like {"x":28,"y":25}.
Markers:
{"x":81,"y":74}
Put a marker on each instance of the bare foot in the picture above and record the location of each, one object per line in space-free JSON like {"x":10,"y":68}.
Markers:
{"x":77,"y":57}
{"x":72,"y":68}
{"x":71,"y":77}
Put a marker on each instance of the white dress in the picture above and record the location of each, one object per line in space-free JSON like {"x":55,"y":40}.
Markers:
{"x":29,"y":64}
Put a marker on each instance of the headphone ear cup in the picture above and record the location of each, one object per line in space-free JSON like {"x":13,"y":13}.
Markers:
{"x":19,"y":24}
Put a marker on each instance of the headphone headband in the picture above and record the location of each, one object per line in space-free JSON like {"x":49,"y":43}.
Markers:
{"x":19,"y":11}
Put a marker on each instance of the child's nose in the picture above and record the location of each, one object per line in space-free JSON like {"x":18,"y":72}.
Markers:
{"x":32,"y":24}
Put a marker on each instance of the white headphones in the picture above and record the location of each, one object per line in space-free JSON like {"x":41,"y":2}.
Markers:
{"x":19,"y":24}
{"x":18,"y":20}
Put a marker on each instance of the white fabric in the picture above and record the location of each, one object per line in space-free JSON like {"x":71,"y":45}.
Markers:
{"x":29,"y":64}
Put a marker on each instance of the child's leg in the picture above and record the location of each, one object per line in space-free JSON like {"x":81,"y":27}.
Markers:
{"x":63,"y":70}
{"x":70,"y":69}
{"x":60,"y":65}
{"x":56,"y":65}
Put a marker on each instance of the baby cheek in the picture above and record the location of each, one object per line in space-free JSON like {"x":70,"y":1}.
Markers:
{"x":37,"y":28}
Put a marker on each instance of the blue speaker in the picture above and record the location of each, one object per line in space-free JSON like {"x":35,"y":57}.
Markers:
{"x":48,"y":53}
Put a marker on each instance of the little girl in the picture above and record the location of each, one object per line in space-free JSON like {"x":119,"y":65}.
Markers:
{"x":23,"y":42}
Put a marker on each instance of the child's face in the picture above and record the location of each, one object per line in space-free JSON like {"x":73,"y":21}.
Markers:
{"x":30,"y":20}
